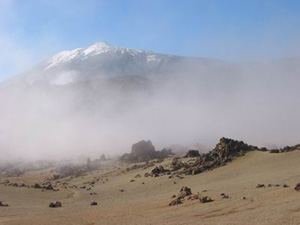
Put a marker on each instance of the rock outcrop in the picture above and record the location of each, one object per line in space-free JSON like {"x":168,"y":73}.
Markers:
{"x":144,"y":151}
{"x":225,"y":151}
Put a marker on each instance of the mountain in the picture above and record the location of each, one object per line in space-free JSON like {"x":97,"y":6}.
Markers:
{"x":102,"y":60}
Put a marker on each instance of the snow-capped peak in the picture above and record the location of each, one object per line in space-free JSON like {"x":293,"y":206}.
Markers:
{"x":66,"y":56}
{"x":63,"y":57}
{"x":97,"y":48}
{"x":80,"y":55}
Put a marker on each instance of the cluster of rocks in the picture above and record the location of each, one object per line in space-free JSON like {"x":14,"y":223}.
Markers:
{"x":56,"y":204}
{"x":158,"y":170}
{"x":45,"y":186}
{"x":8,"y":183}
{"x":176,"y":164}
{"x":144,"y":151}
{"x":225,"y":151}
{"x":186,"y":194}
{"x":285,"y":149}
{"x":271,"y":185}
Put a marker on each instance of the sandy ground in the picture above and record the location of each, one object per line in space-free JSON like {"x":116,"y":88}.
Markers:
{"x":148,"y":203}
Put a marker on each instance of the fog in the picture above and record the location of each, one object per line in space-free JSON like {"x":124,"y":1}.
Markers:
{"x":254,"y":102}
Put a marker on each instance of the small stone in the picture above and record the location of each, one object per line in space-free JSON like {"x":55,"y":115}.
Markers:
{"x":205,"y":199}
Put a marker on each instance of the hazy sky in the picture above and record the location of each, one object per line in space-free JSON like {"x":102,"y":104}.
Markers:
{"x":235,"y":30}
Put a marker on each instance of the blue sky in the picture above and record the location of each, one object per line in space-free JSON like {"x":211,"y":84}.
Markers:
{"x":233,"y":30}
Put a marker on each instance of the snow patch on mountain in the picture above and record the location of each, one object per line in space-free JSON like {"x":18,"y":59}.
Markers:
{"x":63,"y":57}
{"x":96,"y":49}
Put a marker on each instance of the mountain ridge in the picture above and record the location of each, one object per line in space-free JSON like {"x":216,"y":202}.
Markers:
{"x":103,"y":60}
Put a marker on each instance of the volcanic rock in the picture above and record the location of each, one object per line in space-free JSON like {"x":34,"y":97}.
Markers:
{"x":57,"y":204}
{"x":184,"y":192}
{"x":36,"y":185}
{"x":225,"y":151}
{"x":144,"y":151}
{"x":192,"y":153}
{"x":297,"y":188}
{"x":3,"y":205}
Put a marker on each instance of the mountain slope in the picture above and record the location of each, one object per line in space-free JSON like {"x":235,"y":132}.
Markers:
{"x":102,"y":60}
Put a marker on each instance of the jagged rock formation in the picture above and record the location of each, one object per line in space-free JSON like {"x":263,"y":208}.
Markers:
{"x":225,"y":151}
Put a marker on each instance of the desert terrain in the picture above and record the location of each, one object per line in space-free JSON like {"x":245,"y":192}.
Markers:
{"x":255,"y":188}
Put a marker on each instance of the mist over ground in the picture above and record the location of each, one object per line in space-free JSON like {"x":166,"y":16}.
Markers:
{"x":254,"y":102}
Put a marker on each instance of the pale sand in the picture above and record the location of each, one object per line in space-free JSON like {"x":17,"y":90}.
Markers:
{"x":148,"y":203}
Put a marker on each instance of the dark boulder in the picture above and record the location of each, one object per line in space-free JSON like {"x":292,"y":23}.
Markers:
{"x":192,"y":153}
{"x":36,"y":185}
{"x":3,"y":205}
{"x":144,"y":151}
{"x":275,"y":151}
{"x":49,"y":187}
{"x":57,"y":204}
{"x":297,"y":188}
